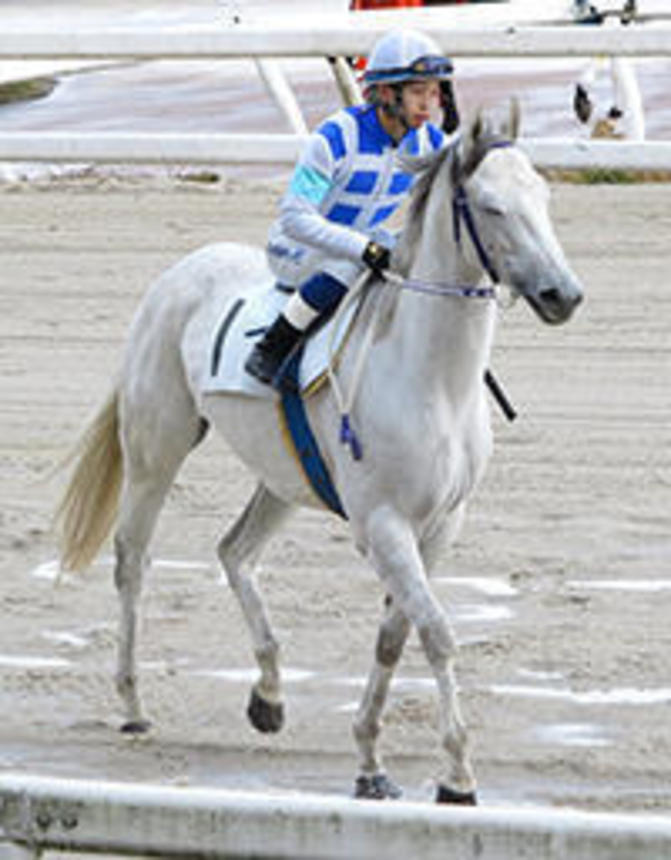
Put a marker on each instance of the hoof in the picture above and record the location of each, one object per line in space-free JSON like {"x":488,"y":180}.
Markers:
{"x":377,"y":787}
{"x":456,"y":798}
{"x":263,"y":715}
{"x":136,"y":727}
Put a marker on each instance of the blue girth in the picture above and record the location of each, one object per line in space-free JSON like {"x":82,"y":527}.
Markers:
{"x":304,"y":442}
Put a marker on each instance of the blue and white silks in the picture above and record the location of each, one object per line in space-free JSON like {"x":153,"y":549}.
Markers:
{"x":346,"y":184}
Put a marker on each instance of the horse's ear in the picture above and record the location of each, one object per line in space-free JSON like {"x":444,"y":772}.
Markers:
{"x":474,"y":132}
{"x":471,"y":146}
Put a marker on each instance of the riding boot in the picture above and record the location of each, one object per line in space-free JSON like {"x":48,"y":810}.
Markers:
{"x":266,"y":358}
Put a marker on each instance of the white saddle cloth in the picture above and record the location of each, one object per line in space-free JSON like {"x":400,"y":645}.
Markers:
{"x":243,"y":322}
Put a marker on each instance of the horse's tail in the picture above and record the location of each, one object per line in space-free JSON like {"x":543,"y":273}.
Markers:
{"x":89,"y":505}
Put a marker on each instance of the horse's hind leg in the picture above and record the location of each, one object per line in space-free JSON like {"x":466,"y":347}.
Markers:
{"x":238,"y":551}
{"x":154,"y":449}
{"x":372,"y":782}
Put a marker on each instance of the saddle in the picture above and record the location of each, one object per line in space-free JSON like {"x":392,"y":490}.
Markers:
{"x":243,"y":322}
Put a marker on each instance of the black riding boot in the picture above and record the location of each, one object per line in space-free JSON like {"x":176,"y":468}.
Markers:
{"x":268,"y":354}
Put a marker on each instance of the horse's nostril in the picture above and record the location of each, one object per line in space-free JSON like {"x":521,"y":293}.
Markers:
{"x":554,"y":298}
{"x":550,"y":296}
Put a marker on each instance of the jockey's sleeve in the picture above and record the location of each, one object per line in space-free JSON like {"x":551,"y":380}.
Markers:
{"x":300,"y":216}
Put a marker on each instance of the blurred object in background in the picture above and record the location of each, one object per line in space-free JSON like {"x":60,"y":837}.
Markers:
{"x":360,"y":5}
{"x":621,"y":115}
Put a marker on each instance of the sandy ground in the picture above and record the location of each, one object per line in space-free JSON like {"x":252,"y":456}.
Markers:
{"x":558,"y":587}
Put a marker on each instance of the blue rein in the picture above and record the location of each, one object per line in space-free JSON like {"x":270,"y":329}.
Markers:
{"x":435,"y":289}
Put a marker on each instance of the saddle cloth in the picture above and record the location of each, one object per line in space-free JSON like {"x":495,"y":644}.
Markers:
{"x":243,"y":322}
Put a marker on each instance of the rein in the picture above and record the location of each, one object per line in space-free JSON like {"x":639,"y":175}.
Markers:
{"x":438,"y":289}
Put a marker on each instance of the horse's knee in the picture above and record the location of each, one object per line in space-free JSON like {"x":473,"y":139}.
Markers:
{"x":437,"y":640}
{"x":390,"y":641}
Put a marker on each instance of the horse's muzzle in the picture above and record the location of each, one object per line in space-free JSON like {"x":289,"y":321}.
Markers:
{"x":555,"y":305}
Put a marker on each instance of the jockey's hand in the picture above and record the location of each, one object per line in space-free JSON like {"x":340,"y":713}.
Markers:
{"x":376,"y":257}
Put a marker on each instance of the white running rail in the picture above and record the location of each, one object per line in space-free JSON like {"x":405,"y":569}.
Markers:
{"x":38,"y":813}
{"x":341,"y":37}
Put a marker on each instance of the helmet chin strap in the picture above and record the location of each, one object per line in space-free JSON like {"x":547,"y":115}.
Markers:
{"x":394,"y":109}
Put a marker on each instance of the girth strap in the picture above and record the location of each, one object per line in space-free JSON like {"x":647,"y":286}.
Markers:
{"x":299,"y":433}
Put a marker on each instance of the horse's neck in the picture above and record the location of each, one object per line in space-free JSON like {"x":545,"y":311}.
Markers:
{"x":445,"y":340}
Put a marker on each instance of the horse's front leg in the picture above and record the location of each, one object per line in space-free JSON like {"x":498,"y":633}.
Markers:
{"x":395,"y":554}
{"x":373,"y":782}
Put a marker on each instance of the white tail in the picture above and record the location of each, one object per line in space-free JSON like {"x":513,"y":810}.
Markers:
{"x":89,"y":505}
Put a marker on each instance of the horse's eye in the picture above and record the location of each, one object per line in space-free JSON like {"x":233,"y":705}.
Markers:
{"x":491,"y":204}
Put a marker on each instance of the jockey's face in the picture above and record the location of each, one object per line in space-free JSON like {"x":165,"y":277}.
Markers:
{"x":409,"y":106}
{"x":420,"y":100}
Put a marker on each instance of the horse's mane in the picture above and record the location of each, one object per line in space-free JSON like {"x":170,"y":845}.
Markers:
{"x":427,"y":168}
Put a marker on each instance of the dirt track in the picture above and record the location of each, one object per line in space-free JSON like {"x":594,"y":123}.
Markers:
{"x":565,"y":685}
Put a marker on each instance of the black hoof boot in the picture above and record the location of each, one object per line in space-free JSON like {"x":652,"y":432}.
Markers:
{"x":264,"y":715}
{"x":456,"y":798}
{"x":136,"y":727}
{"x":376,"y":787}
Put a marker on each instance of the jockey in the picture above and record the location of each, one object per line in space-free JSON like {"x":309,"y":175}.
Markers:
{"x":347,"y":183}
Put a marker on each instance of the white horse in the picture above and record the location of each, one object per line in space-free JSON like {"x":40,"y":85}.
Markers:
{"x":421,"y":412}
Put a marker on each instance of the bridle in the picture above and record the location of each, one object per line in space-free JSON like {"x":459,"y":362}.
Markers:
{"x":462,"y":219}
{"x":461,"y":212}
